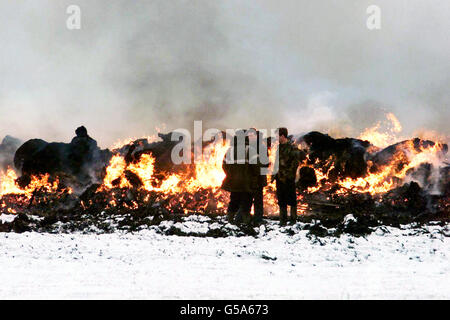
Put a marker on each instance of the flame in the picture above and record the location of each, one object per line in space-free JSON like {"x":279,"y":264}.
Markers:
{"x":198,"y":186}
{"x":432,"y":135}
{"x":114,"y":171}
{"x":207,"y":175}
{"x":122,"y":142}
{"x":388,"y":136}
{"x":389,"y":176}
{"x":209,"y":172}
{"x":8,"y":184}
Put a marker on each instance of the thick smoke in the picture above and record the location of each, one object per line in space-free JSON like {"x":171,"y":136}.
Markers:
{"x":307,"y":65}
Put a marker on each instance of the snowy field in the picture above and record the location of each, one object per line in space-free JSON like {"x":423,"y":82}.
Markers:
{"x":390,"y":263}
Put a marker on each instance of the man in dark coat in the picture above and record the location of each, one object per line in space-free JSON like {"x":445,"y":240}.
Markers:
{"x":258,"y":161}
{"x":288,"y":160}
{"x":239,"y":179}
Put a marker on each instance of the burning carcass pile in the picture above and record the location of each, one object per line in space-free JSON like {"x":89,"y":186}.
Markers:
{"x":404,"y":182}
{"x":81,"y":184}
{"x":76,"y":186}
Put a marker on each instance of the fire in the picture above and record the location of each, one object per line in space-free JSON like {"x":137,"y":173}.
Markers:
{"x":432,"y":135}
{"x":8,"y":184}
{"x":197,"y":186}
{"x":115,"y":171}
{"x":206,"y":176}
{"x":209,"y":172}
{"x":122,"y":142}
{"x":383,"y":138}
{"x":389,"y":176}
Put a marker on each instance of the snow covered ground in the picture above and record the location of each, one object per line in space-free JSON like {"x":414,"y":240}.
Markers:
{"x":390,"y":263}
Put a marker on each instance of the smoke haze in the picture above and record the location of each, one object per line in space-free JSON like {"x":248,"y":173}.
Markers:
{"x":307,"y":65}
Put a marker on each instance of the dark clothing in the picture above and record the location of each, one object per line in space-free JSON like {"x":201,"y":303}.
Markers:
{"x":242,"y":176}
{"x":259,"y":161}
{"x":237,"y":179}
{"x":286,"y":193}
{"x":238,"y":200}
{"x":85,"y":156}
{"x":287,"y":196}
{"x":258,"y":204}
{"x":262,"y":162}
{"x":243,"y":201}
{"x":84,"y":151}
{"x":283,"y":214}
{"x":83,"y":145}
{"x":288,"y":160}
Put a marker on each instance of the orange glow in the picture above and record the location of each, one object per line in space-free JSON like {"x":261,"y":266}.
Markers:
{"x":207,"y":175}
{"x":383,"y":133}
{"x":198,"y":186}
{"x":8,"y":184}
{"x":384,"y":179}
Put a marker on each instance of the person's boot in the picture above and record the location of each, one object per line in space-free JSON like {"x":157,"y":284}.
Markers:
{"x":257,"y":221}
{"x":293,"y":214}
{"x":246,"y":218}
{"x":283,"y":216}
{"x":230,"y":216}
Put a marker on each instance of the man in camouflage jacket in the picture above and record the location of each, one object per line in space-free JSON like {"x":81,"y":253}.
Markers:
{"x":288,"y":160}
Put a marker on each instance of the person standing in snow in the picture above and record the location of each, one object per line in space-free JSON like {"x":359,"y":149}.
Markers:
{"x":288,"y":160}
{"x":259,"y":179}
{"x":239,"y":179}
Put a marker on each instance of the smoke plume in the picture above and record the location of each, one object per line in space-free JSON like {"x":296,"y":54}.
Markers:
{"x":307,"y":65}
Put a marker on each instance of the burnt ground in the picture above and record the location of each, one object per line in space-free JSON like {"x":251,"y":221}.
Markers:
{"x":330,"y":213}
{"x":355,"y":214}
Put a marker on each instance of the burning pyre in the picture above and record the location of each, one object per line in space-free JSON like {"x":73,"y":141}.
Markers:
{"x":370,"y":175}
